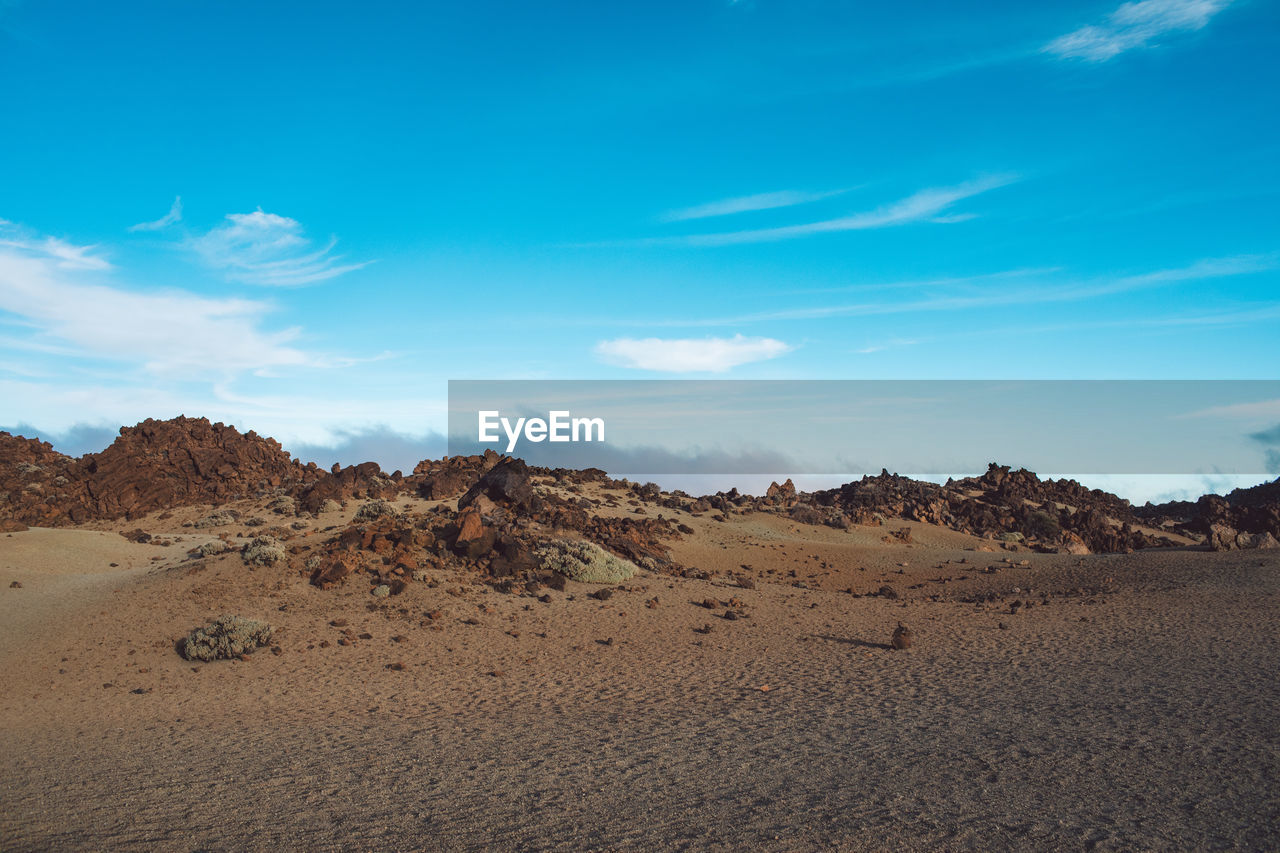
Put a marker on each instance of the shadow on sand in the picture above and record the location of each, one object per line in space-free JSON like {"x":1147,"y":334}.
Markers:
{"x":852,"y":641}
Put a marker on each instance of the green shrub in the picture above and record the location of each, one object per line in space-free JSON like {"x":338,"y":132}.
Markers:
{"x":374,"y":510}
{"x":284,"y":505}
{"x":584,"y":562}
{"x":218,"y":518}
{"x":211,"y":549}
{"x":1043,"y":525}
{"x":225,"y":638}
{"x":263,"y":551}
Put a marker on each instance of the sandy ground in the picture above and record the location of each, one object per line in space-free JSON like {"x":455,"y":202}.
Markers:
{"x":1132,"y":706}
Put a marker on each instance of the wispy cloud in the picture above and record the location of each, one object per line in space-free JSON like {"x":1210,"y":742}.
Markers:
{"x":748,"y":203}
{"x":689,"y":355}
{"x":927,"y":205}
{"x":1024,"y":294}
{"x":173,"y":216}
{"x":1248,"y":411}
{"x":41,"y":282}
{"x":268,"y":249}
{"x":874,"y":348}
{"x":63,"y":254}
{"x":1135,"y":25}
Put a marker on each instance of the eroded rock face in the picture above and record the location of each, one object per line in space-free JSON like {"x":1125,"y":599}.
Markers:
{"x":365,"y":480}
{"x":154,"y":465}
{"x":184,"y":461}
{"x":36,"y":485}
{"x":1003,"y":504}
{"x":442,"y":479}
{"x":507,"y":485}
{"x":785,"y":491}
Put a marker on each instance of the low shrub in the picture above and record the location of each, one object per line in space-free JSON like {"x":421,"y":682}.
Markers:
{"x":584,"y":562}
{"x":263,"y":551}
{"x":374,"y":510}
{"x":225,"y":638}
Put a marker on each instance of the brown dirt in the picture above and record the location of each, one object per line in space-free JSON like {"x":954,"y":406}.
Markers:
{"x":1129,"y":701}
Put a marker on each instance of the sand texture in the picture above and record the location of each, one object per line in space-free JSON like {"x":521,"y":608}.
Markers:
{"x":1127,"y":702}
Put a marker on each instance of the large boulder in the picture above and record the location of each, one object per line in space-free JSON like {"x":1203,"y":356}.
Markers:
{"x":154,"y":465}
{"x":506,"y":485}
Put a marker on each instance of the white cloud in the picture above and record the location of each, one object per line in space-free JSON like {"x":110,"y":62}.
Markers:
{"x":268,"y":249}
{"x":174,"y":215}
{"x":746,"y":204}
{"x":927,"y":205}
{"x":65,"y":255}
{"x":689,"y":355}
{"x":42,"y":283}
{"x":1030,"y":293}
{"x":1135,"y":25}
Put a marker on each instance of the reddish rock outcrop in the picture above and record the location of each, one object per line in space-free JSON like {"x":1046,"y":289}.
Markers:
{"x":36,"y":482}
{"x":365,"y":480}
{"x":154,"y":465}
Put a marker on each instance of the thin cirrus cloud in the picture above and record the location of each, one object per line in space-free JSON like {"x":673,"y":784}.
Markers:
{"x":1135,"y":25}
{"x":269,"y":249}
{"x":1024,"y":293}
{"x":931,"y":204}
{"x":173,"y":217}
{"x":689,"y":355}
{"x":60,"y":253}
{"x":748,"y":204}
{"x":42,"y":282}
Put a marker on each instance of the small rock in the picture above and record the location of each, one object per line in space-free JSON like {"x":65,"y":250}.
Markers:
{"x":901,"y":637}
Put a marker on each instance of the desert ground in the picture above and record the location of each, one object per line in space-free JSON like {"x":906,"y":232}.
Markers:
{"x":1048,"y":701}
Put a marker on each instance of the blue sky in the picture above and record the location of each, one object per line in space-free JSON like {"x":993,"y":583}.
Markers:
{"x":306,"y":218}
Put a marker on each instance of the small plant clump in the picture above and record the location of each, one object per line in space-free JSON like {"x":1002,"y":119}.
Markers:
{"x":283,"y":505}
{"x":218,"y":518}
{"x":1043,"y":525}
{"x":584,"y":562}
{"x":262,"y":551}
{"x":225,"y":638}
{"x":374,"y":510}
{"x":211,"y":549}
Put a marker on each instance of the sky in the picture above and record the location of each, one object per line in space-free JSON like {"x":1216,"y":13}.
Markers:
{"x":305,"y":219}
